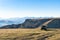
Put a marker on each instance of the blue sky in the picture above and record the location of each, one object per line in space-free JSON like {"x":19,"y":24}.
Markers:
{"x":30,"y":8}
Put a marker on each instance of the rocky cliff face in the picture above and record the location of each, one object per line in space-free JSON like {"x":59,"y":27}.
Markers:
{"x":54,"y":24}
{"x":29,"y":23}
{"x":33,"y":23}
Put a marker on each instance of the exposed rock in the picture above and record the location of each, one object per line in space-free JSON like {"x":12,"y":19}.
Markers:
{"x":54,"y":24}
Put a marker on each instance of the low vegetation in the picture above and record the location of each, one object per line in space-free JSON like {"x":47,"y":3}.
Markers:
{"x":29,"y":34}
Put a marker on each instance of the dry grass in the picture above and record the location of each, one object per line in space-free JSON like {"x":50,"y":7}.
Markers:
{"x":29,"y":34}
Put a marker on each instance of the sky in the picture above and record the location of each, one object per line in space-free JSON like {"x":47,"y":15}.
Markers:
{"x":29,"y":8}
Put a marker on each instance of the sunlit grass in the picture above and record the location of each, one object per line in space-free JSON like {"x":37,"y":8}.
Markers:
{"x":28,"y":34}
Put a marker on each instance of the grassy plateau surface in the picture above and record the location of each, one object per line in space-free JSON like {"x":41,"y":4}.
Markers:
{"x":29,"y":34}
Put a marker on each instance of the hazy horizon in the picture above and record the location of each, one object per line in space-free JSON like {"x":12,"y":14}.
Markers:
{"x":29,"y":8}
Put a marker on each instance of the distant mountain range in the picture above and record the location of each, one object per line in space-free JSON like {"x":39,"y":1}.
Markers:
{"x":28,"y":23}
{"x":10,"y":21}
{"x":16,"y":20}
